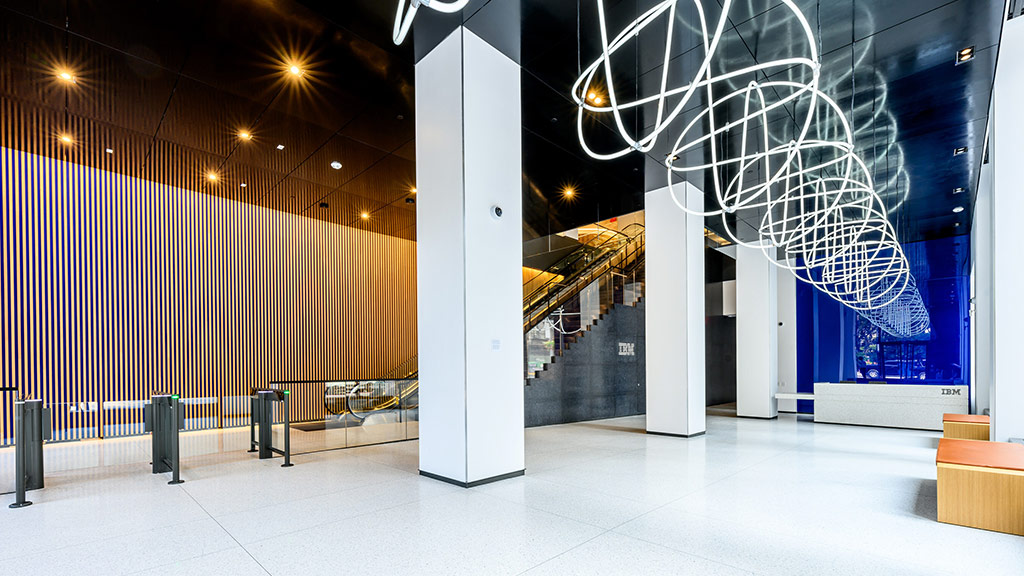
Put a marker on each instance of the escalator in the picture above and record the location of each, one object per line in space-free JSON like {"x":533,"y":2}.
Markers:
{"x":351,"y":403}
{"x":564,"y":300}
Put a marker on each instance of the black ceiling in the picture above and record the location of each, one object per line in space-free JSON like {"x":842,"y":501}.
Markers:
{"x":167,"y":85}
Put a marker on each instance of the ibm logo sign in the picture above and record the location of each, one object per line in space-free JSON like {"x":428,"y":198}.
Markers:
{"x":627,"y":349}
{"x":951,"y":391}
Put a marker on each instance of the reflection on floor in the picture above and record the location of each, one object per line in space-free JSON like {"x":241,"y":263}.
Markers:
{"x":779,"y":496}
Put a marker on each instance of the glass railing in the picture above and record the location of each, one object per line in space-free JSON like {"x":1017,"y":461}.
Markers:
{"x":564,"y":325}
{"x":345,"y":414}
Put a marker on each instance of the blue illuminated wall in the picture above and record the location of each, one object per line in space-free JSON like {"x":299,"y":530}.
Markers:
{"x":835,"y":344}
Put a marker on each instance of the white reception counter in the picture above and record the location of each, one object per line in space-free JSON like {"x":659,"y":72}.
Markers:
{"x":919,"y":406}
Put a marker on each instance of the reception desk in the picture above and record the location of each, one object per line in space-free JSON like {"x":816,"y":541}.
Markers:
{"x":919,"y":406}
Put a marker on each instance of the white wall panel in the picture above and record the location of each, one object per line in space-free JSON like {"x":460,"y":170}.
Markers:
{"x":757,"y":334}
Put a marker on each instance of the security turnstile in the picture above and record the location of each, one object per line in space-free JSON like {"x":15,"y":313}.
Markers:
{"x":263,"y":417}
{"x":31,"y":429}
{"x":164,"y":418}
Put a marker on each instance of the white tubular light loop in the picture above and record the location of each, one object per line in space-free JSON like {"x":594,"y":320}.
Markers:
{"x":404,"y":18}
{"x":812,"y":199}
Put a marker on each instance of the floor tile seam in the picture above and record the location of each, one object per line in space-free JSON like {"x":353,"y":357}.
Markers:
{"x":564,"y":552}
{"x":353,"y":517}
{"x":106,"y":538}
{"x":310,"y":497}
{"x":229,"y":534}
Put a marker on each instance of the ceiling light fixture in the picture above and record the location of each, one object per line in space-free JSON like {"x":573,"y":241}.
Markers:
{"x":413,"y":190}
{"x":568,"y":191}
{"x":280,"y":146}
{"x":958,"y":209}
{"x":243,"y":185}
{"x":67,"y":139}
{"x":960,"y":150}
{"x":67,"y":76}
{"x":959,"y":190}
{"x":109,"y":150}
{"x":295,"y":70}
{"x":964,"y":55}
{"x":843,"y":241}
{"x":403,"y":20}
{"x":212,"y":176}
{"x":336,"y":165}
{"x":245,"y":135}
{"x":364,"y":216}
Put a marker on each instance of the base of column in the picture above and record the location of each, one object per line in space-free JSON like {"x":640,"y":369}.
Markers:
{"x":776,"y":417}
{"x":669,"y":434}
{"x":475,"y":482}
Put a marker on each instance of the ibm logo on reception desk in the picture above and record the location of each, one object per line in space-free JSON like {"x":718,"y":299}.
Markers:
{"x":950,"y":391}
{"x":627,"y":349}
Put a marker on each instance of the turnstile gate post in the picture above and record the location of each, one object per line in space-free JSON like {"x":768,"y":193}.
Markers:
{"x":31,"y":429}
{"x":164,"y":418}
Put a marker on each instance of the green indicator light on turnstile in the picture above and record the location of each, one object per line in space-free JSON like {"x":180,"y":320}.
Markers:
{"x":176,"y":397}
{"x":287,"y":392}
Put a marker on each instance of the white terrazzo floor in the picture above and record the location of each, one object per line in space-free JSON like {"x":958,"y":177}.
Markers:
{"x":780,"y":497}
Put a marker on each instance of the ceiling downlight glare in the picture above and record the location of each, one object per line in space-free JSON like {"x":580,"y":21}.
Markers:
{"x":964,"y":55}
{"x":336,"y":165}
{"x":958,"y":209}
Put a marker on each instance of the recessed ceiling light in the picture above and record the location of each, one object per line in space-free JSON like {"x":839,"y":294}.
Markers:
{"x":364,"y":216}
{"x":67,"y":76}
{"x":336,"y":165}
{"x":245,"y":135}
{"x":109,"y":150}
{"x":410,"y":200}
{"x":958,"y":209}
{"x":413,"y":190}
{"x":568,"y":191}
{"x":959,"y":190}
{"x":295,"y":70}
{"x":598,"y":100}
{"x":322,"y":204}
{"x":960,"y":150}
{"x":280,"y":146}
{"x":67,"y":139}
{"x":591,"y":96}
{"x":965,"y":55}
{"x":243,"y":184}
{"x":212,"y":177}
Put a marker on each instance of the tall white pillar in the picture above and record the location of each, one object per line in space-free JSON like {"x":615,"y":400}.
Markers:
{"x":1007,"y":389}
{"x":757,"y":334}
{"x":674,"y":296}
{"x":469,"y":262}
{"x":787,"y":338}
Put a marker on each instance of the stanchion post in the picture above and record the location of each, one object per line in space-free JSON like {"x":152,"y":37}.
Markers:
{"x":287,"y":431}
{"x":20,"y":446}
{"x":252,"y":423}
{"x":175,"y":460}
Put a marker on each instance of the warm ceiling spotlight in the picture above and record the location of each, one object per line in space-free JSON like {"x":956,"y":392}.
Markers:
{"x":212,"y":177}
{"x":598,"y":100}
{"x":964,"y":55}
{"x":413,"y":190}
{"x":365,"y":216}
{"x":591,"y":96}
{"x":295,"y":70}
{"x":280,"y":146}
{"x":109,"y":150}
{"x":568,"y":192}
{"x":960,"y":150}
{"x":67,"y":77}
{"x":243,"y":184}
{"x":336,"y":165}
{"x":959,"y":190}
{"x":245,"y":135}
{"x":958,"y":209}
{"x":67,"y":139}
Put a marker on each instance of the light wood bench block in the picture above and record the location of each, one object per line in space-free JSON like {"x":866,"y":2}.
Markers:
{"x":981,"y":485}
{"x":965,"y":426}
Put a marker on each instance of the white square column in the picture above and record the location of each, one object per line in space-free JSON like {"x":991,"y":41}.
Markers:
{"x":674,"y":295}
{"x":469,"y":262}
{"x":1007,"y":387}
{"x":757,"y":334}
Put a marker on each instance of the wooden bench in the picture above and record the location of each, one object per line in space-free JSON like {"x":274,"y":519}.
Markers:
{"x":965,"y":426}
{"x":981,"y":484}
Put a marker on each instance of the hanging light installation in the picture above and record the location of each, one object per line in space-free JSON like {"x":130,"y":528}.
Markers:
{"x":808,"y":194}
{"x":404,"y":18}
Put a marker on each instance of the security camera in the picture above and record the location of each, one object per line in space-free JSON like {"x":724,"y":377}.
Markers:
{"x":496,"y":212}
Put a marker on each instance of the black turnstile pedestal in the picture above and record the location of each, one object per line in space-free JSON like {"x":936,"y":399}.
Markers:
{"x":31,"y":429}
{"x":164,"y":418}
{"x":262,"y":402}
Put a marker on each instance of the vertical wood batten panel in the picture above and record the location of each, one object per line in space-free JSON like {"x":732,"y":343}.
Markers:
{"x":116,"y":287}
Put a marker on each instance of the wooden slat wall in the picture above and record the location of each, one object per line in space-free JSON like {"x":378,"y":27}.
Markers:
{"x":113,"y":287}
